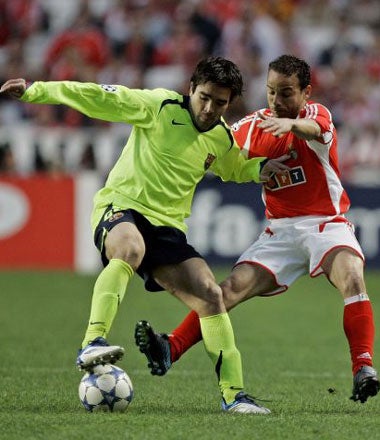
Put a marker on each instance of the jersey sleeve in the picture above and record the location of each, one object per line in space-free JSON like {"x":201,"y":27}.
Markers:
{"x":113,"y":103}
{"x":322,"y":116}
{"x":234,"y":166}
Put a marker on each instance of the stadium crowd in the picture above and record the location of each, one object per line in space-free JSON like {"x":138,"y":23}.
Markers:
{"x":156,"y":43}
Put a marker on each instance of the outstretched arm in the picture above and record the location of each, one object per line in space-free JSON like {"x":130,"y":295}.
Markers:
{"x":306,"y":129}
{"x":113,"y":103}
{"x":94,"y":100}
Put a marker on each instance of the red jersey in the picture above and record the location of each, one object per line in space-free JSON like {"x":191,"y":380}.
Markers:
{"x":312,"y":186}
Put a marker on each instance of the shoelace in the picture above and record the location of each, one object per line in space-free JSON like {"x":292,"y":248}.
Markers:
{"x":99,"y":342}
{"x":252,"y":399}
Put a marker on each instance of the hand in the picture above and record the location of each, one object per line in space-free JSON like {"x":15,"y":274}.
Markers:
{"x":14,"y":87}
{"x":274,"y":166}
{"x":276,"y":126}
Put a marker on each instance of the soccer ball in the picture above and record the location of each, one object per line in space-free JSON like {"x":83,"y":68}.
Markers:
{"x":107,"y":388}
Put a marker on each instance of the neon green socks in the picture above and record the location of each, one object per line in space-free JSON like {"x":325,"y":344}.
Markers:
{"x":218,"y":338}
{"x":108,"y":293}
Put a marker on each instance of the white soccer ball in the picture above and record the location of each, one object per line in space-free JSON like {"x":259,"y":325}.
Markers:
{"x":107,"y":388}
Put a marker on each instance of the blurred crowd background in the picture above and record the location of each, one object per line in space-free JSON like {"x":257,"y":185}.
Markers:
{"x":156,"y":43}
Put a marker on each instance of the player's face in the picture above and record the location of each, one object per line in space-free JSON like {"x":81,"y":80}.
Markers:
{"x":208,"y":102}
{"x":284,"y":95}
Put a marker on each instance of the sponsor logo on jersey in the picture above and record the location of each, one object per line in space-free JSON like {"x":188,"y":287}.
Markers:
{"x":292,"y":151}
{"x":292,"y":177}
{"x":108,"y":88}
{"x":209,"y":160}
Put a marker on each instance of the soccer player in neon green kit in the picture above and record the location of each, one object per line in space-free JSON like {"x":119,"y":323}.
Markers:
{"x":138,"y":216}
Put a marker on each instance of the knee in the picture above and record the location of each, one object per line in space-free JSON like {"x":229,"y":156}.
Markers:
{"x":231,"y":287}
{"x":212,"y":295}
{"x":352,"y":283}
{"x":244,"y":282}
{"x":347,"y":274}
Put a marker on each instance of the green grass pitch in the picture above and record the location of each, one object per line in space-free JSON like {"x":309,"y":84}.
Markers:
{"x":293,"y":350}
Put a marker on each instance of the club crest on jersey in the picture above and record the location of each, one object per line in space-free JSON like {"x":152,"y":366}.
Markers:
{"x":115,"y":217}
{"x":292,"y":152}
{"x":292,"y":177}
{"x":108,"y":88}
{"x":209,"y":160}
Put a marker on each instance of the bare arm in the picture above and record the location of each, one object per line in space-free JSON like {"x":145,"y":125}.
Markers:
{"x":306,"y":129}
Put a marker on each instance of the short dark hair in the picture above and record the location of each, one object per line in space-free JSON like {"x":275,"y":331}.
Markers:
{"x":288,"y":65}
{"x":220,"y":71}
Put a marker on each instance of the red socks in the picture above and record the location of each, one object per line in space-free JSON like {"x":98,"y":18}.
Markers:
{"x":357,"y":322}
{"x":359,"y":329}
{"x":187,"y":334}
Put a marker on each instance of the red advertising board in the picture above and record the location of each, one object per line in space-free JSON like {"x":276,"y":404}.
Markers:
{"x":37,"y":222}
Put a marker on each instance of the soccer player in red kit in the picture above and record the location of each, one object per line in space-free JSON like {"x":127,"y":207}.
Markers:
{"x":307,"y":232}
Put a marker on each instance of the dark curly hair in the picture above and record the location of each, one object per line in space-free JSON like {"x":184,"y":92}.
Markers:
{"x":220,"y":71}
{"x":288,"y":65}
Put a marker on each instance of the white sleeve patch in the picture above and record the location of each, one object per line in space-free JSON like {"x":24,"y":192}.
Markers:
{"x":327,"y":137}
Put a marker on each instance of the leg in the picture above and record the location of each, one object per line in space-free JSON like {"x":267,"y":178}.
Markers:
{"x":244,"y":282}
{"x":253,"y":275}
{"x":345,"y":271}
{"x":194,"y":284}
{"x":124,"y":248}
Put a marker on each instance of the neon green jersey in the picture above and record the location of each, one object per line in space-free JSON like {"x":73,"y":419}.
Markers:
{"x":165,"y":156}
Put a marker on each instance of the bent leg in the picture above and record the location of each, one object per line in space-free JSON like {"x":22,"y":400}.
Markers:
{"x":244,"y":282}
{"x":194,"y":284}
